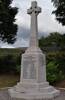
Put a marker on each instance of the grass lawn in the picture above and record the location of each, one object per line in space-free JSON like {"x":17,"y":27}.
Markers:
{"x":11,"y":80}
{"x":8,"y":80}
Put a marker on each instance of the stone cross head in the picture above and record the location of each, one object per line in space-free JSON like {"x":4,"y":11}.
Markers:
{"x":34,"y":8}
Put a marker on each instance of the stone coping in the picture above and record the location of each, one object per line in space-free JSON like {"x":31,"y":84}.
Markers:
{"x":59,"y":88}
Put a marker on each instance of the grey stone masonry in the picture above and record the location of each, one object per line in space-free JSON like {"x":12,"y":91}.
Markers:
{"x":33,"y":12}
{"x":33,"y":84}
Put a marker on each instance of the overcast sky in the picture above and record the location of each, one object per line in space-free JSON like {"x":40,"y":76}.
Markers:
{"x":46,"y":21}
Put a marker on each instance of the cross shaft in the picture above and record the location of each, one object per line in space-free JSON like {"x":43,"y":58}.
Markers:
{"x":34,"y":11}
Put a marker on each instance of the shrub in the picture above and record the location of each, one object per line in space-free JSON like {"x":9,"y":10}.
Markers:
{"x":52,"y":72}
{"x":55,"y":67}
{"x":9,"y":64}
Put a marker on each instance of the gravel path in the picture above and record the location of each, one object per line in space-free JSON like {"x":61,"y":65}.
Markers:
{"x":4,"y":95}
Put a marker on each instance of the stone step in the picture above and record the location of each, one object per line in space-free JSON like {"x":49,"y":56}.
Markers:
{"x":33,"y":85}
{"x":34,"y":95}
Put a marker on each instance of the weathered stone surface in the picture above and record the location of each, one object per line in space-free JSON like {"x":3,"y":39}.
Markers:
{"x":34,"y":67}
{"x":34,"y":11}
{"x":4,"y":95}
{"x":33,"y":84}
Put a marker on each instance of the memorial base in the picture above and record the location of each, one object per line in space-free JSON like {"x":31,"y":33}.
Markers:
{"x":33,"y":91}
{"x":33,"y":85}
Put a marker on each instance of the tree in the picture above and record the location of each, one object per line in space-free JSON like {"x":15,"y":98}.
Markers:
{"x":8,"y":28}
{"x":54,"y":41}
{"x":60,"y":10}
{"x":54,"y":37}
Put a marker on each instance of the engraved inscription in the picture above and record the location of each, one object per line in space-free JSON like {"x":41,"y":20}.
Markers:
{"x":29,"y":68}
{"x":41,"y":60}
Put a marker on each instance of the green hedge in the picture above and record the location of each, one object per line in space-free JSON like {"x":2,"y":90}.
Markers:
{"x":11,"y":63}
{"x":10,"y":60}
{"x":55,"y":66}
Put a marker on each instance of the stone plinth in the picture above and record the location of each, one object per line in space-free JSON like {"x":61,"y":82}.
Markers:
{"x":33,"y":61}
{"x":33,"y":84}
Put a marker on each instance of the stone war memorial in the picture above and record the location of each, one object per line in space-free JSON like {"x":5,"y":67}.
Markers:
{"x":33,"y":84}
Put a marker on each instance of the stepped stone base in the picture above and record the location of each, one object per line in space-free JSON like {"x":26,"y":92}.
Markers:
{"x":36,"y":91}
{"x":33,"y":85}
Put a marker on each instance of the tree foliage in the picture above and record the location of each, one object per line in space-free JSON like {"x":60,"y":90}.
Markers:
{"x":60,"y":10}
{"x":8,"y":28}
{"x":54,"y":39}
{"x":55,"y":59}
{"x":55,"y":66}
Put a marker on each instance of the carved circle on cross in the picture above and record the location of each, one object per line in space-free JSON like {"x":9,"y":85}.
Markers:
{"x":34,"y":9}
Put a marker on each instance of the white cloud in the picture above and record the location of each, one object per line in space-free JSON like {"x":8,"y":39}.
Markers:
{"x":46,"y":21}
{"x":21,"y":43}
{"x":6,"y":45}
